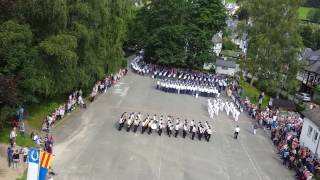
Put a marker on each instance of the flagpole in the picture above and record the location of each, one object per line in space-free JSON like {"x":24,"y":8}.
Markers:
{"x":40,"y":157}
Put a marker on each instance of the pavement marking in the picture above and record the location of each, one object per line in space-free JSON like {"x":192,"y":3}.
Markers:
{"x":125,"y":91}
{"x":119,"y":103}
{"x":251,"y":160}
{"x":159,"y":172}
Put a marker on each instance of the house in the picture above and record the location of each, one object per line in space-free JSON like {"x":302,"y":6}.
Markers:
{"x":311,"y":130}
{"x":310,"y":76}
{"x":217,"y":43}
{"x":226,"y":67}
{"x":240,"y":39}
{"x":231,"y":8}
{"x":229,"y":54}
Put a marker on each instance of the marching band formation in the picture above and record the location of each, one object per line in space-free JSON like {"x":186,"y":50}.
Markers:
{"x":181,"y":81}
{"x":218,"y":105}
{"x":172,"y":126}
{"x":181,"y":87}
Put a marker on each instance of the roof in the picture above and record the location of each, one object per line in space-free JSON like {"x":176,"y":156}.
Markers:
{"x":283,"y":104}
{"x":310,"y":55}
{"x":313,"y":115}
{"x":313,"y":67}
{"x":230,"y":53}
{"x":224,"y":63}
{"x":217,"y":38}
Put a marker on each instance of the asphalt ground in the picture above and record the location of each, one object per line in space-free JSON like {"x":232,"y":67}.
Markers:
{"x":89,"y":146}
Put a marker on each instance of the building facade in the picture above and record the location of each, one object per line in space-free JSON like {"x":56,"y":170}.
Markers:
{"x":311,"y":130}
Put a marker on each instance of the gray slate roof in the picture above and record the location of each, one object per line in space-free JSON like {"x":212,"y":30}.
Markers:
{"x":309,"y":55}
{"x":224,"y":63}
{"x":217,"y":39}
{"x":313,"y":115}
{"x":313,"y":67}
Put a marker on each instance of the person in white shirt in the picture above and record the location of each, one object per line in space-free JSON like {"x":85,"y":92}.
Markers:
{"x":177,"y":127}
{"x":236,"y":116}
{"x":13,"y":136}
{"x":208,"y":133}
{"x":236,"y":132}
{"x":185,"y":129}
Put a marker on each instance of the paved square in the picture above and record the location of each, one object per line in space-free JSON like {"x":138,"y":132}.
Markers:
{"x":89,"y":146}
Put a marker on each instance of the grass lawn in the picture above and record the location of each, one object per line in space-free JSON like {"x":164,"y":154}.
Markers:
{"x":304,"y":12}
{"x":253,"y":93}
{"x":26,"y":141}
{"x":24,"y":176}
{"x":38,"y":112}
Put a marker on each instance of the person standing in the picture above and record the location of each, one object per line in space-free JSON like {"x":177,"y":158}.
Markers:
{"x":150,"y":127}
{"x":161,"y":126}
{"x":13,"y":136}
{"x":208,"y":132}
{"x":25,"y":154}
{"x":16,"y":159}
{"x":200,"y":132}
{"x":121,"y":123}
{"x":260,"y":100}
{"x":255,"y":127}
{"x":10,"y":156}
{"x":129,"y":123}
{"x":144,"y":125}
{"x":191,"y":126}
{"x":236,"y":132}
{"x":170,"y":130}
{"x":22,"y":129}
{"x":136,"y":124}
{"x":194,"y":130}
{"x":177,"y":127}
{"x":185,"y":129}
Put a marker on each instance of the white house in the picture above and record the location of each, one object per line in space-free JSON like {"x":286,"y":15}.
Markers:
{"x":311,"y":130}
{"x":226,"y":67}
{"x":232,"y":8}
{"x":217,"y":43}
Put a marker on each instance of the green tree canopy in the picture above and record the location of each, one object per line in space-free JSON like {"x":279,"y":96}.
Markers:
{"x":51,"y":47}
{"x":274,"y":41}
{"x":178,"y":32}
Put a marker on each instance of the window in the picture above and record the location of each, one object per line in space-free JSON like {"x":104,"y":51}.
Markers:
{"x":315,"y":136}
{"x":309,"y":131}
{"x":224,"y":68}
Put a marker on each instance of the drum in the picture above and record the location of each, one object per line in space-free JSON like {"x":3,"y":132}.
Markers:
{"x":154,"y":126}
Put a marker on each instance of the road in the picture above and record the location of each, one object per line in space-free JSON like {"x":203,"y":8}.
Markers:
{"x":89,"y":146}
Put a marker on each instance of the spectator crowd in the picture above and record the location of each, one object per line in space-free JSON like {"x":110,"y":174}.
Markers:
{"x":285,"y":129}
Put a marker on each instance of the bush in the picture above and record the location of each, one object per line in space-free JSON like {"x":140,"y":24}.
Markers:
{"x":229,"y":45}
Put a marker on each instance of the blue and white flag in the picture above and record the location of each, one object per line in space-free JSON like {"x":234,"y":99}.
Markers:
{"x":33,"y":164}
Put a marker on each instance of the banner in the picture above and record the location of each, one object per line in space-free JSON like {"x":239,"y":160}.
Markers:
{"x":33,"y":164}
{"x":45,"y":163}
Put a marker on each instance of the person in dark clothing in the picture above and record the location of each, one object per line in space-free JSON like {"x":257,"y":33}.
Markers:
{"x":10,"y":156}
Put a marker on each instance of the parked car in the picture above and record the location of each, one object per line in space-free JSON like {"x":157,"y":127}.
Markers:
{"x":303,"y":96}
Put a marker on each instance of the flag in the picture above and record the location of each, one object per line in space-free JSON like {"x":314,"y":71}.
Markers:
{"x":45,"y":163}
{"x":33,"y":164}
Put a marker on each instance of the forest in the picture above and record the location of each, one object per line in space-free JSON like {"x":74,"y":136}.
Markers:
{"x":49,"y":48}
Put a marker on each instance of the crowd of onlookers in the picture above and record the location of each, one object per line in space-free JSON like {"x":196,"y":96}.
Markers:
{"x":285,"y":129}
{"x":15,"y":154}
{"x":75,"y":99}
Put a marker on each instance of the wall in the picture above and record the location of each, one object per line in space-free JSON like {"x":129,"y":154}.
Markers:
{"x":229,"y":71}
{"x":307,"y":141}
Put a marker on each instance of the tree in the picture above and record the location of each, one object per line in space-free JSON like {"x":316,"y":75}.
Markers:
{"x":310,"y":36}
{"x":51,"y":47}
{"x":183,"y":39}
{"x":315,"y":15}
{"x":274,"y":41}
